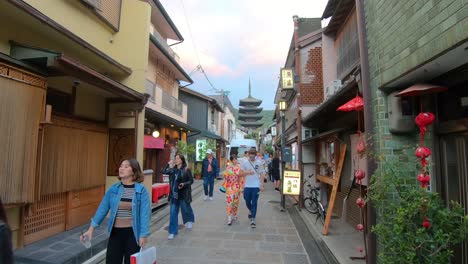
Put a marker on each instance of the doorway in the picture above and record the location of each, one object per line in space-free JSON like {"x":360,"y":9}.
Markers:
{"x":454,"y":178}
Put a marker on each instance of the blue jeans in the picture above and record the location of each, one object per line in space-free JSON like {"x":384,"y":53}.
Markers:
{"x":251,"y":198}
{"x":187,"y":214}
{"x":208,"y":181}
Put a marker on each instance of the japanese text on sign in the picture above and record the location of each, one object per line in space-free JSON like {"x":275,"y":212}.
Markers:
{"x":287,"y":79}
{"x":291,"y":182}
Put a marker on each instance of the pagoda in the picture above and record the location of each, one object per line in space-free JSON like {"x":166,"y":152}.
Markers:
{"x":250,"y":112}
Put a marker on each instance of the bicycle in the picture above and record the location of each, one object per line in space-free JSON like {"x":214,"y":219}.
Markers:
{"x":311,"y":202}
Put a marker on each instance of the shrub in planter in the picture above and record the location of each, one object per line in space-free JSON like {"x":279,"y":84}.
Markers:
{"x":414,"y":224}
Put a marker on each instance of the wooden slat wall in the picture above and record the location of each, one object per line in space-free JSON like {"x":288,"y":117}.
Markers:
{"x":22,"y":100}
{"x":73,"y":157}
{"x":82,"y":205}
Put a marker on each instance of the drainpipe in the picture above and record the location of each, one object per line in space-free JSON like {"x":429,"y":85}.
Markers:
{"x":368,"y":124}
{"x":297,"y":59}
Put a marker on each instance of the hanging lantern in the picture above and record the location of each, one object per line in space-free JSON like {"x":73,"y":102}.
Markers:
{"x":423,"y":152}
{"x":424,"y":180}
{"x":361,"y":147}
{"x":360,"y":227}
{"x":359,"y":174}
{"x":423,"y":120}
{"x":360,"y":202}
{"x":426,"y":224}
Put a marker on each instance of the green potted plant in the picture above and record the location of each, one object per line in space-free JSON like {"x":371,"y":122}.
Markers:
{"x":197,"y":172}
{"x":414,"y":224}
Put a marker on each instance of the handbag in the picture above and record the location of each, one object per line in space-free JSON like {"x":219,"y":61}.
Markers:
{"x":145,"y":256}
{"x":223,"y":187}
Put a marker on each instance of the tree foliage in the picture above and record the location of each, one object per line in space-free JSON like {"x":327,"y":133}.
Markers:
{"x":401,"y":205}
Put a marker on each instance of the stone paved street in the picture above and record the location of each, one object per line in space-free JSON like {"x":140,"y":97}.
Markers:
{"x":275,"y":240}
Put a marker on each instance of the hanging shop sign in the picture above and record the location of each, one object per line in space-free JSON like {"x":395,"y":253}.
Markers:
{"x":287,"y":78}
{"x":200,"y":149}
{"x":292,"y":182}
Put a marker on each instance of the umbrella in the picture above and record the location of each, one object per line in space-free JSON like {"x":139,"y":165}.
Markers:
{"x":355,"y":104}
{"x":421,"y":89}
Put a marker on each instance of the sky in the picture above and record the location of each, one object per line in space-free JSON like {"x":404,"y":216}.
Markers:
{"x":235,"y":40}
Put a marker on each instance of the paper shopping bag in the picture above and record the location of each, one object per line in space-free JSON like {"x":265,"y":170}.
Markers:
{"x":145,"y":256}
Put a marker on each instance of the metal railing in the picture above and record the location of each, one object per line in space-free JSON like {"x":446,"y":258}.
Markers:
{"x":163,"y":42}
{"x":171,"y":103}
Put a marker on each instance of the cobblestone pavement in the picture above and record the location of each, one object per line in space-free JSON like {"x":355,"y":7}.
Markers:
{"x":275,"y":240}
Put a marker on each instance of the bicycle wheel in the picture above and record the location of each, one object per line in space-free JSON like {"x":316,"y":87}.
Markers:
{"x":310,"y":205}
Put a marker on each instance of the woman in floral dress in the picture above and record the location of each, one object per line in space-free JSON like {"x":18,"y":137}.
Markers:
{"x":232,"y":183}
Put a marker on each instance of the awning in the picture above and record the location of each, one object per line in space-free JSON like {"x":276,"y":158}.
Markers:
{"x":212,"y":135}
{"x":157,"y":117}
{"x":151,"y":142}
{"x":56,"y":63}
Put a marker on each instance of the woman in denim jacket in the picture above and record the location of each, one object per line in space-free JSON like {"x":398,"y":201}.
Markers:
{"x":130,"y":213}
{"x":180,"y":196}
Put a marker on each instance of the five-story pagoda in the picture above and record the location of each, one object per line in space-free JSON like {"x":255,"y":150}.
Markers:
{"x":250,"y":112}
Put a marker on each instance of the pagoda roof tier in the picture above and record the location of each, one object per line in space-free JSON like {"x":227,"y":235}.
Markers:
{"x":250,"y":101}
{"x":245,"y":117}
{"x":246,"y":110}
{"x":251,"y":124}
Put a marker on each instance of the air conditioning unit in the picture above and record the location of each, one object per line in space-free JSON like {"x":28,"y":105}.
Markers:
{"x":308,"y":133}
{"x":332,"y":87}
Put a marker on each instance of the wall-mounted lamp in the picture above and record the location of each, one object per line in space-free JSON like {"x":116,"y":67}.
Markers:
{"x":282,"y":105}
{"x":155,"y":133}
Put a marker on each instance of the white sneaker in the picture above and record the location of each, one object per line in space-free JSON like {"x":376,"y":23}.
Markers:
{"x":205,"y":198}
{"x":170,"y":237}
{"x":229,"y":221}
{"x":189,"y":225}
{"x":211,"y":198}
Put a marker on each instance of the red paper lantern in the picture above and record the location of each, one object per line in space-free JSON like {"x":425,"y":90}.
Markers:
{"x":426,"y":224}
{"x":361,"y":147}
{"x":424,"y":179}
{"x":360,"y":202}
{"x":360,"y":227}
{"x":423,"y":152}
{"x":423,"y":120}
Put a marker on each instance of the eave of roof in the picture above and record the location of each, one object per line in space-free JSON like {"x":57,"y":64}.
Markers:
{"x":170,"y":58}
{"x":168,"y":19}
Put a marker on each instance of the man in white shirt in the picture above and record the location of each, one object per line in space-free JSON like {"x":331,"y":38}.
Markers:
{"x":255,"y":174}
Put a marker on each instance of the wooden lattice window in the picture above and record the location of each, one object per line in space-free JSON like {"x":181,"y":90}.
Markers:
{"x":107,"y":10}
{"x":45,"y":218}
{"x":347,"y":47}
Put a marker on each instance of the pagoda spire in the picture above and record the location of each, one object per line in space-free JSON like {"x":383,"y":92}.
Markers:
{"x":250,"y":88}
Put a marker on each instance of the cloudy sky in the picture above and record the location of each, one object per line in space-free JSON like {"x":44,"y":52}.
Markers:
{"x":237,"y":39}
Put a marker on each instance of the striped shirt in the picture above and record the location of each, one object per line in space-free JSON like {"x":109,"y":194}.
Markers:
{"x":124,"y":213}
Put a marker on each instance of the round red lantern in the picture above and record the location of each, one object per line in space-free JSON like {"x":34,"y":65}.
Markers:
{"x":360,"y":202}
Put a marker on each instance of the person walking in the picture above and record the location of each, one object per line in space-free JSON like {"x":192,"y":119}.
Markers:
{"x":6,"y":247}
{"x":232,"y":179}
{"x":130,"y":214}
{"x":180,"y":196}
{"x":254,"y":175}
{"x":275,"y":171}
{"x":210,"y":171}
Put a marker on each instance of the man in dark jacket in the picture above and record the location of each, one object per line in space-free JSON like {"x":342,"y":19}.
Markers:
{"x":210,"y":171}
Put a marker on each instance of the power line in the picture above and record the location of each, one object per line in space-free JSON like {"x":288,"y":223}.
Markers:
{"x":199,"y":67}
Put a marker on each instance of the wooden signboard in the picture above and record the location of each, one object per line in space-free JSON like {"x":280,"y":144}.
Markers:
{"x":333,"y":181}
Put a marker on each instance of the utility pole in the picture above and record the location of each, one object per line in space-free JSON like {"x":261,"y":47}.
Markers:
{"x":297,"y":63}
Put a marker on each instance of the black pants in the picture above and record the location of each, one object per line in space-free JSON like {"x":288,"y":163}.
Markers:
{"x":122,"y":244}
